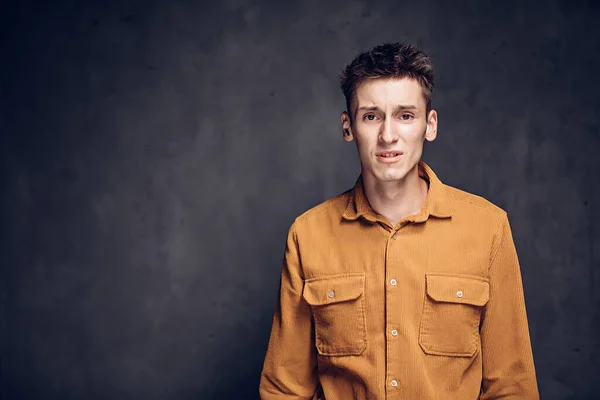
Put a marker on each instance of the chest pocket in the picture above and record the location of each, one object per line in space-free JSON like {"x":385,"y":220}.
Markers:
{"x":452,"y":313}
{"x":337,"y":304}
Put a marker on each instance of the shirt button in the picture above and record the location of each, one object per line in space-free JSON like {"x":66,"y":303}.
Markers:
{"x":394,"y":383}
{"x":393,"y":282}
{"x":394,"y":236}
{"x":459,"y":293}
{"x":331,"y":294}
{"x":394,"y":332}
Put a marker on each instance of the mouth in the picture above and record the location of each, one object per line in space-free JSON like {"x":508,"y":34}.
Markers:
{"x":388,"y":156}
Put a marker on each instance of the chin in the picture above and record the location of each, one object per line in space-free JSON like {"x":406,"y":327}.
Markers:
{"x":390,"y":176}
{"x":385,"y":173}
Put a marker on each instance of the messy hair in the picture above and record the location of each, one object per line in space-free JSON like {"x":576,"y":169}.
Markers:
{"x":389,"y":60}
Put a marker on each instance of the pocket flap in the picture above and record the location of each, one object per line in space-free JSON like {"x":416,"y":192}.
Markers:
{"x":333,"y":288}
{"x":453,"y":288}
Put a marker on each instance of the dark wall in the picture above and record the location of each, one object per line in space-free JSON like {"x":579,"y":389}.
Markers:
{"x":155,"y":154}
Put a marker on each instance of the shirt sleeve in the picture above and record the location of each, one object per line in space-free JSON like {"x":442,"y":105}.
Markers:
{"x":508,"y":367}
{"x":290,"y":366}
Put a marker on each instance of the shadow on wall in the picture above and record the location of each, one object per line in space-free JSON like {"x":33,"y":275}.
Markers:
{"x":237,"y":374}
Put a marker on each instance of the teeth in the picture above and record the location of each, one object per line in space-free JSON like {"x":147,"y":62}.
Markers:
{"x":389,"y":155}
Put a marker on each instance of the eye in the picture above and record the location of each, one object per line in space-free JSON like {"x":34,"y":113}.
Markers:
{"x":406,"y":117}
{"x":369,"y":117}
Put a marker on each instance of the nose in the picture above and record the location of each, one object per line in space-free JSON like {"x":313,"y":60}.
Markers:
{"x":387,"y":133}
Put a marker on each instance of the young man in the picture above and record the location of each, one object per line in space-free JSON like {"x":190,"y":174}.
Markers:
{"x":403,"y":287}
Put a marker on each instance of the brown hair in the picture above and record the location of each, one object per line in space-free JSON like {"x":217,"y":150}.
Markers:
{"x":389,"y":60}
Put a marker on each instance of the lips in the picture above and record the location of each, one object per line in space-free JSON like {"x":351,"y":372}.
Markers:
{"x":388,"y":156}
{"x":389,"y":153}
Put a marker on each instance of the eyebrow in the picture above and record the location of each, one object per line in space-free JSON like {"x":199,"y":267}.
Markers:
{"x":400,"y":107}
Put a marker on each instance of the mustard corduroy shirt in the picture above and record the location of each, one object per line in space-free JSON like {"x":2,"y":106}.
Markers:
{"x":431,"y":308}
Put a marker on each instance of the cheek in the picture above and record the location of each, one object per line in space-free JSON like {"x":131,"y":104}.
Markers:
{"x":363,"y":148}
{"x":365,"y":143}
{"x":415,"y":134}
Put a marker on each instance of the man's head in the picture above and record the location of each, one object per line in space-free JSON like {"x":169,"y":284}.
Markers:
{"x":390,"y":60}
{"x":388,"y":108}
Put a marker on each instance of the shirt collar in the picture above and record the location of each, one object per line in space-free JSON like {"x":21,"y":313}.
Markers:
{"x":436,"y":202}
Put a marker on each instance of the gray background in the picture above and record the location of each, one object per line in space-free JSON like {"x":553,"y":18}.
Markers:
{"x":155,"y":154}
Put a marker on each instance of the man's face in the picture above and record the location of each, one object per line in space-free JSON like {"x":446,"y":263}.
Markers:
{"x":390,"y":126}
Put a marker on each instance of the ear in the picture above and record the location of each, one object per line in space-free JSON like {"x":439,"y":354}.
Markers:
{"x":346,"y":127}
{"x":432,"y":124}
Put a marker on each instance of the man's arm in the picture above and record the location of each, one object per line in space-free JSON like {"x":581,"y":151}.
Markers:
{"x":289,"y":370}
{"x":508,"y":368}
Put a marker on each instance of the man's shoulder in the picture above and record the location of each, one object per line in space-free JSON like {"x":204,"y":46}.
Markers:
{"x":463,"y":201}
{"x":331,"y":208}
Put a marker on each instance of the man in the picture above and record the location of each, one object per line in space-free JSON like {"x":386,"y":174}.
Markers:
{"x":403,"y":287}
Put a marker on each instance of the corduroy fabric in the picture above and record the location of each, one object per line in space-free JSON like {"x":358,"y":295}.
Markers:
{"x":431,"y":308}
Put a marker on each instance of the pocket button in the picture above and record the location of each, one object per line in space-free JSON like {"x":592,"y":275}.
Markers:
{"x":459,"y":293}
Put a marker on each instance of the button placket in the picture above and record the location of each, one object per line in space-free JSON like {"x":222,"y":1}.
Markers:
{"x":393,"y":294}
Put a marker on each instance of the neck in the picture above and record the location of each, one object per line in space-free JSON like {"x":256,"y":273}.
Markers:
{"x":398,"y":199}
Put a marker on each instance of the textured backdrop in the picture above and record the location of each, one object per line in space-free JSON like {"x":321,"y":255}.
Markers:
{"x":155,"y":153}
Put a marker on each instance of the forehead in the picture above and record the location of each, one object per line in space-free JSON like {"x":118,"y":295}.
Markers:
{"x":384,"y":92}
